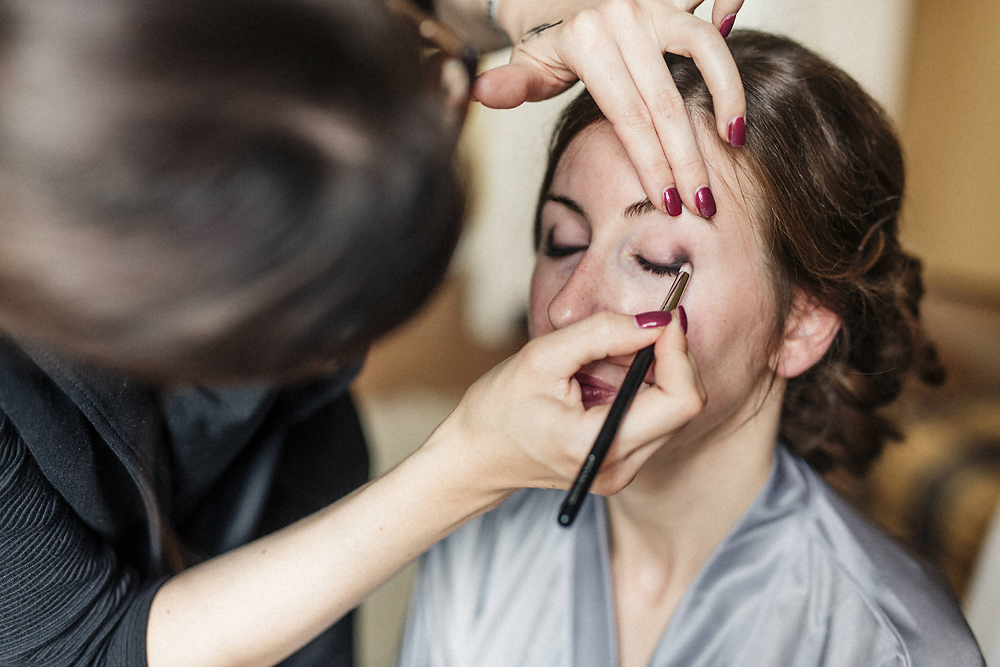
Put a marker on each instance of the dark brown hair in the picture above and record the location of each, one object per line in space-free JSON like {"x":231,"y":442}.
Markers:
{"x":826,"y":175}
{"x":282,"y":163}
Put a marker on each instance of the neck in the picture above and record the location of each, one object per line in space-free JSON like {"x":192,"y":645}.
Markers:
{"x":693,"y":491}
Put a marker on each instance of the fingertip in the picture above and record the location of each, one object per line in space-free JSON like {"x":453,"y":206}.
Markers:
{"x":672,"y":201}
{"x":705,"y":202}
{"x":727,"y":24}
{"x":653,"y":319}
{"x":503,"y":87}
{"x":736,"y":131}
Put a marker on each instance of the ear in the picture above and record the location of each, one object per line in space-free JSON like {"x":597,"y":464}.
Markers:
{"x":808,"y":334}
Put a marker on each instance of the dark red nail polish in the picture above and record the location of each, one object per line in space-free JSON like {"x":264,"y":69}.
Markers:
{"x":737,"y":131}
{"x":683,"y":317}
{"x":672,"y":201}
{"x":705,"y":201}
{"x":727,"y":25}
{"x":652,"y":319}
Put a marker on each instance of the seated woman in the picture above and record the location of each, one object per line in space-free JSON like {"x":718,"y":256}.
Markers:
{"x":726,"y":549}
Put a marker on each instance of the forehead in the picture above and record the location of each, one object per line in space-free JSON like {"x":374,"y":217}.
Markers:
{"x":594,"y":149}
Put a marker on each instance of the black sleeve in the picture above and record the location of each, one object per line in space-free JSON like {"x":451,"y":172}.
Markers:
{"x":64,"y":597}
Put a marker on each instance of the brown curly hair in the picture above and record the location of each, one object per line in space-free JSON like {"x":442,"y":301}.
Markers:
{"x":826,"y":173}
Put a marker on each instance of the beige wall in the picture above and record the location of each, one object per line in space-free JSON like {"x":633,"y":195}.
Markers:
{"x":951,"y":130}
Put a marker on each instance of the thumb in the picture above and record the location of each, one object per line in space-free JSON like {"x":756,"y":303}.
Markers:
{"x":520,"y":81}
{"x":503,"y":87}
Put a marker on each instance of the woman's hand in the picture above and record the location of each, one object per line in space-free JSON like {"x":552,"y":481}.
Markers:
{"x":615,"y":47}
{"x":523,"y":424}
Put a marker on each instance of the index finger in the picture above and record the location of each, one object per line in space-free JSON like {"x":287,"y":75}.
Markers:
{"x":561,"y":353}
{"x":703,"y":43}
{"x":724,"y":14}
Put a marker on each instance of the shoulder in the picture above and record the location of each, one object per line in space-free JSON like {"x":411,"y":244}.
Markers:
{"x":854,"y":565}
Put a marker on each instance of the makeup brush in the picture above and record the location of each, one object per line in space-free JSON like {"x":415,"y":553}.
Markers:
{"x":633,"y":380}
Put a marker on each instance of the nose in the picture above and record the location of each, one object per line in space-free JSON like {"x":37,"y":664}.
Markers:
{"x":580,"y":297}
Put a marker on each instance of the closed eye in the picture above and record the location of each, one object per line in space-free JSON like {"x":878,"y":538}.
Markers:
{"x":551,"y":249}
{"x":671,"y":269}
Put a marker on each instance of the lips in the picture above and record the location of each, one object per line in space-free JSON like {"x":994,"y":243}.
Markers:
{"x":594,"y":390}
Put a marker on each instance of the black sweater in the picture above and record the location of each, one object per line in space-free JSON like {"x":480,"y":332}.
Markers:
{"x":107,"y":485}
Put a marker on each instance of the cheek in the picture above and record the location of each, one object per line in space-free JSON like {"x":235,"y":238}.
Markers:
{"x":729,"y":338}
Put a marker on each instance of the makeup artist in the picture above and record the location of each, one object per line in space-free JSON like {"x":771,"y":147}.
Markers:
{"x":211,"y":208}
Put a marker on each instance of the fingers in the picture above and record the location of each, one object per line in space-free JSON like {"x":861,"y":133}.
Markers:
{"x":618,"y":55}
{"x":562,"y":353}
{"x":531,"y":403}
{"x":616,"y":49}
{"x":528,"y":414}
{"x":703,"y":43}
{"x":675,"y":397}
{"x":509,"y":86}
{"x":657,"y":131}
{"x":724,"y":15}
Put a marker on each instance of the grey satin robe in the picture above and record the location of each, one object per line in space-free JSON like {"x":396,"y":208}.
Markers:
{"x":801,"y":580}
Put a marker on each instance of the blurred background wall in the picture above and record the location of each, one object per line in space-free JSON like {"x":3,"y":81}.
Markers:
{"x":935,"y":65}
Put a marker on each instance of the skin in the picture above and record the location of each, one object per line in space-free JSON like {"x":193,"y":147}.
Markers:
{"x":598,"y":256}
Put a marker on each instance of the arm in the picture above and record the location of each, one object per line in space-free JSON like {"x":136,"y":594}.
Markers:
{"x":520,"y":425}
{"x":615,"y":47}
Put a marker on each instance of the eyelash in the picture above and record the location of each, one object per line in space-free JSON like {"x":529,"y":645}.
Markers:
{"x":671,"y":269}
{"x":559,"y":252}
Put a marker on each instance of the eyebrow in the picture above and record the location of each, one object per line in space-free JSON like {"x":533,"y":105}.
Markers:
{"x":639,"y":208}
{"x":568,"y":203}
{"x":631,"y":211}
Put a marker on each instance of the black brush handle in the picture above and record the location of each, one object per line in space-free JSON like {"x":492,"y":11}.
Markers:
{"x":578,"y":492}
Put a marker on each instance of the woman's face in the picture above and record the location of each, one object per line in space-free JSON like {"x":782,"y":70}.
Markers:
{"x":605,"y":247}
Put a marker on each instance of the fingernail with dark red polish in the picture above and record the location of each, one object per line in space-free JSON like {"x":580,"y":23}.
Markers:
{"x":653,"y":319}
{"x":672,"y":201}
{"x":737,"y":131}
{"x":727,"y":25}
{"x":683,"y":317}
{"x":705,"y":202}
